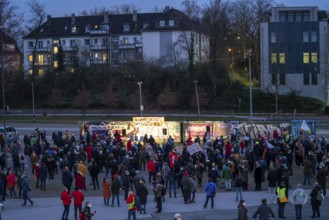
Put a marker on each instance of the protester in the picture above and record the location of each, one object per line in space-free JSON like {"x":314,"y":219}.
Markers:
{"x":242,"y":210}
{"x":66,"y":199}
{"x":115,"y":189}
{"x":282,"y":194}
{"x":11,"y":182}
{"x":158,"y":195}
{"x":131,"y":201}
{"x":142,"y":194}
{"x":87,"y":214}
{"x":26,"y":189}
{"x":298,"y":199}
{"x":78,"y":199}
{"x":177,"y":216}
{"x":316,"y":200}
{"x":106,"y":191}
{"x":264,"y":211}
{"x":67,"y":179}
{"x":210,"y":189}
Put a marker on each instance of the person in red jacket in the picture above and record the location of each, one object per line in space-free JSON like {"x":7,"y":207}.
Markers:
{"x":11,"y":182}
{"x":129,"y":145}
{"x":131,"y":205}
{"x":66,"y":199}
{"x":37,"y":174}
{"x":78,"y":199}
{"x":151,"y":168}
{"x":228,"y":150}
{"x":79,"y":180}
{"x":89,"y":151}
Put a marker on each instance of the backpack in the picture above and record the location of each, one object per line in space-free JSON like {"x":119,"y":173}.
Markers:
{"x":319,"y":196}
{"x":163,"y":191}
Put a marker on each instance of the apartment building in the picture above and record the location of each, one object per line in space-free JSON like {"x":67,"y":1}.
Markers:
{"x":294,"y":52}
{"x":112,"y":40}
{"x":12,"y":57}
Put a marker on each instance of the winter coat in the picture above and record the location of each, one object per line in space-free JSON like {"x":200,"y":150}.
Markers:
{"x":115,"y":187}
{"x":158,"y":190}
{"x":258,"y":174}
{"x":43,"y":173}
{"x":321,"y":176}
{"x":263,"y":211}
{"x":242,"y":212}
{"x":298,"y":196}
{"x":106,"y":189}
{"x":151,"y":166}
{"x":79,"y":181}
{"x":191,"y":184}
{"x":78,"y":197}
{"x":65,"y":197}
{"x":307,"y":167}
{"x":314,"y":194}
{"x":142,"y":194}
{"x":184,"y":183}
{"x":227,"y":173}
{"x":25,"y":184}
{"x":272,"y":178}
{"x":94,"y":170}
{"x":82,"y":168}
{"x":210,"y":188}
{"x":11,"y":181}
{"x":130,"y":201}
{"x":67,"y":178}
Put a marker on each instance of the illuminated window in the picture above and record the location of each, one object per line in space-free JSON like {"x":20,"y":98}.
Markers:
{"x":74,"y":29}
{"x":125,"y":40}
{"x":273,"y":58}
{"x":306,"y":58}
{"x":314,"y":57}
{"x":30,"y":58}
{"x":282,"y":58}
{"x":41,"y":71}
{"x":55,"y":50}
{"x":40,"y":59}
{"x":55,"y":41}
{"x":30,"y":72}
{"x":104,"y":57}
{"x":96,"y":55}
{"x":55,"y":64}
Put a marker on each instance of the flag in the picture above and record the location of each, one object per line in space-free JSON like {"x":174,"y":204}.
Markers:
{"x":304,"y":126}
{"x":269,"y":145}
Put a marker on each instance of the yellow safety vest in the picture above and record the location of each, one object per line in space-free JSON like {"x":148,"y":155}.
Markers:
{"x":131,"y":205}
{"x":281,"y":192}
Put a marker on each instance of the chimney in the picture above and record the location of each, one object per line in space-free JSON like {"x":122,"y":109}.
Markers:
{"x":106,"y":17}
{"x":166,"y":9}
{"x":48,"y":19}
{"x":73,"y":19}
{"x":135,"y":16}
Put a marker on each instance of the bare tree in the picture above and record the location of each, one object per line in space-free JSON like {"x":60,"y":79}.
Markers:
{"x":109,"y":99}
{"x":167,"y":98}
{"x":10,"y":19}
{"x":56,"y":99}
{"x":191,"y":9}
{"x":38,"y":17}
{"x":83,"y":98}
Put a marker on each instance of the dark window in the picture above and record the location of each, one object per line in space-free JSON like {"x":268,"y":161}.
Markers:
{"x":282,"y":17}
{"x":298,"y":17}
{"x":87,"y":42}
{"x":282,"y":79}
{"x":306,"y":79}
{"x":306,"y":16}
{"x":290,"y":17}
{"x":314,"y":79}
{"x":274,"y":79}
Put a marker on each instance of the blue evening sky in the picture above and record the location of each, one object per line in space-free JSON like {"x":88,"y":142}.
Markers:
{"x":57,"y":8}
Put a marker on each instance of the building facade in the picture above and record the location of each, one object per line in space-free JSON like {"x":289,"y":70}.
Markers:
{"x":111,"y":40}
{"x":12,"y":57}
{"x":294,"y":52}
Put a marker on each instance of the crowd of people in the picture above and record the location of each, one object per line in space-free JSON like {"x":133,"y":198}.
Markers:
{"x":227,"y":163}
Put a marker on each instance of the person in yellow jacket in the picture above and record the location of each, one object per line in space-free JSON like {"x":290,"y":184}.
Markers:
{"x":282,"y":194}
{"x":83,"y":169}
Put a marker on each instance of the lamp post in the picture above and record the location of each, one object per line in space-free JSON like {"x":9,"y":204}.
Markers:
{"x":3,"y":91}
{"x":249,"y":51}
{"x":140,"y":97}
{"x":33,"y":108}
{"x":197,"y":95}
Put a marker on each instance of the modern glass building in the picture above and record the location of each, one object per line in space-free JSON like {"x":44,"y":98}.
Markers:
{"x":294,"y":52}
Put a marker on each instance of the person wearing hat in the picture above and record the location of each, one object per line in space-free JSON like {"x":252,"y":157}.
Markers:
{"x":316,"y":199}
{"x":242,"y":211}
{"x":264,"y":211}
{"x":298,"y":198}
{"x":321,"y":177}
{"x":282,"y":194}
{"x":177,"y":216}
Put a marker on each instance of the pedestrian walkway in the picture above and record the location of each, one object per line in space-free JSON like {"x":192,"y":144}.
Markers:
{"x":51,"y":208}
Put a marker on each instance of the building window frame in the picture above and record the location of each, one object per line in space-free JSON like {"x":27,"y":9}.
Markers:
{"x":306,"y":79}
{"x":306,"y":57}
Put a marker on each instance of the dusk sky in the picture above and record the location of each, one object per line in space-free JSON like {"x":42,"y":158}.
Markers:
{"x":57,"y":8}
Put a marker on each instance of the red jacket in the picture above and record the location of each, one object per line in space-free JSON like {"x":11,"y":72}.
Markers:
{"x":65,"y":197}
{"x":37,"y":171}
{"x":89,"y":151}
{"x":151,"y":166}
{"x":11,"y":180}
{"x":129,"y":145}
{"x":79,"y":182}
{"x":130,"y":202}
{"x":78,"y":197}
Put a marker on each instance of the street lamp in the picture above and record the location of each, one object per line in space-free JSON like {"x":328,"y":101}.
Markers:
{"x":249,"y":51}
{"x":33,"y":108}
{"x":140,"y":97}
{"x":197,"y":95}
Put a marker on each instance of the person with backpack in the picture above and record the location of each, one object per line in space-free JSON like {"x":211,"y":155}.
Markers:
{"x":298,"y":198}
{"x":132,"y":205}
{"x":210,"y":189}
{"x":238,"y":188}
{"x":316,"y":199}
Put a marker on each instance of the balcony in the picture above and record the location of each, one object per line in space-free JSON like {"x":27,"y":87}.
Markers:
{"x":130,"y":45}
{"x":99,"y":47}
